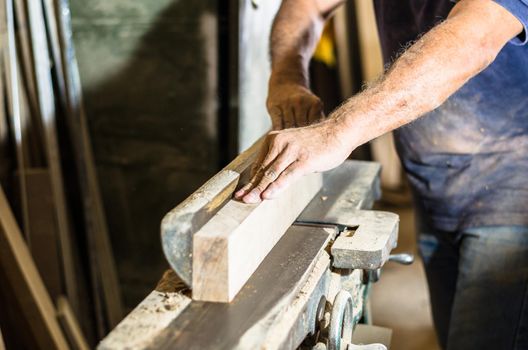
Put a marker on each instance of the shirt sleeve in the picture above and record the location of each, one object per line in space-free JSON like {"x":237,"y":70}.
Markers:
{"x":518,"y":8}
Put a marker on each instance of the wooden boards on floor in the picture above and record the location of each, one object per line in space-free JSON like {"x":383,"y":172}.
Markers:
{"x":105,"y":276}
{"x":43,"y":228}
{"x":70,"y":325}
{"x":46,"y":105}
{"x":2,"y":345}
{"x":41,"y":118}
{"x":230,"y":247}
{"x":22,"y":274}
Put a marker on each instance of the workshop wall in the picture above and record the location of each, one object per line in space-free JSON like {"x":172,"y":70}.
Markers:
{"x":149,"y":75}
{"x":256,"y":19}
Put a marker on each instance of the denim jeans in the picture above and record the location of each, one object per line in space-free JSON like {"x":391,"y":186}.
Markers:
{"x":478,"y":283}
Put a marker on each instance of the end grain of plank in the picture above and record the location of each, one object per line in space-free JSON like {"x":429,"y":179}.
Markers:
{"x":230,"y":247}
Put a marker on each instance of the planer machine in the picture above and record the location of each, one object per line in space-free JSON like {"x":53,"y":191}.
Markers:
{"x":309,"y":291}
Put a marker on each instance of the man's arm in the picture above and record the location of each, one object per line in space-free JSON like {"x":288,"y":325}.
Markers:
{"x":425,"y":75}
{"x":294,"y":36}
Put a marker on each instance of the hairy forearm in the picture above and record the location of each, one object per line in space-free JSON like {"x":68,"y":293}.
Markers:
{"x":295,"y":32}
{"x":423,"y":77}
{"x":419,"y":81}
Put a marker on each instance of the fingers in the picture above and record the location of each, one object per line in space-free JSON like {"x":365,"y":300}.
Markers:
{"x":303,"y":109}
{"x":288,"y":120}
{"x":255,"y":173}
{"x":300,"y":110}
{"x":276,"y":118}
{"x":298,"y":114}
{"x":264,"y":151}
{"x":307,"y":110}
{"x":288,"y":176}
{"x":267,"y":176}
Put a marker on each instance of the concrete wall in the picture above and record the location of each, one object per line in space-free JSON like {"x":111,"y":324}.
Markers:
{"x":254,"y":32}
{"x":149,"y":75}
{"x":149,"y":71}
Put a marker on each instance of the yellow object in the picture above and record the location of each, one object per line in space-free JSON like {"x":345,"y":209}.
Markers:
{"x":325,"y":50}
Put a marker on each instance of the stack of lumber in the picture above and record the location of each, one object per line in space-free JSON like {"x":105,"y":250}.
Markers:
{"x":55,"y":255}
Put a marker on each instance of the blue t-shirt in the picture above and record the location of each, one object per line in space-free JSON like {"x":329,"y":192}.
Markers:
{"x":467,"y":161}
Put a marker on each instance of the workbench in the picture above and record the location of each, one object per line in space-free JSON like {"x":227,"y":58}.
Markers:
{"x":310,"y":291}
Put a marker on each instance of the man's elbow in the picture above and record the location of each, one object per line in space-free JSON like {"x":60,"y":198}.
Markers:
{"x":485,"y":52}
{"x":487,"y":26}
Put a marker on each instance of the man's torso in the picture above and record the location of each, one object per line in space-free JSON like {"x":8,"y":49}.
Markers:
{"x":467,"y":160}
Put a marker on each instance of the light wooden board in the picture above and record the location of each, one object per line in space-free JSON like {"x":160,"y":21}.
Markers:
{"x":25,"y":48}
{"x":43,"y":229}
{"x":230,"y":247}
{"x":7,"y":32}
{"x":23,"y":276}
{"x":46,"y":105}
{"x":4,"y":131}
{"x":33,"y":128}
{"x":70,"y":325}
{"x":2,"y":345}
{"x":179,"y":225}
{"x":101,"y":256}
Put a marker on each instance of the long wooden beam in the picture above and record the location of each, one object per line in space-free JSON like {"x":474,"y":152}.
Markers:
{"x":7,"y":32}
{"x":230,"y":247}
{"x":101,"y":256}
{"x":46,"y":105}
{"x":23,"y":276}
{"x":2,"y":345}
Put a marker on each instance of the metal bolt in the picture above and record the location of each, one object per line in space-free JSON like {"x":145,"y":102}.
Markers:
{"x":403,"y":258}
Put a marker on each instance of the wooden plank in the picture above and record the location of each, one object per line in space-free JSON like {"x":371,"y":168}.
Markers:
{"x":46,"y":104}
{"x":97,"y":230}
{"x":28,"y":70}
{"x":55,"y":50}
{"x":180,"y":224}
{"x":270,"y":291}
{"x":43,"y":229}
{"x":7,"y":31}
{"x":230,"y":247}
{"x":23,"y":276}
{"x":2,"y":345}
{"x":5,"y":159}
{"x":70,"y":325}
{"x":33,"y":128}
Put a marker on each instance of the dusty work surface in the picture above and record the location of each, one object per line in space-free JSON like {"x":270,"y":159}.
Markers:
{"x":274,"y":284}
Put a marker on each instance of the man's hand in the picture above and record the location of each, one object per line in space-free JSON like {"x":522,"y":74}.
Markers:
{"x":290,"y":104}
{"x":294,"y":36}
{"x":422,"y":78}
{"x":289,"y":154}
